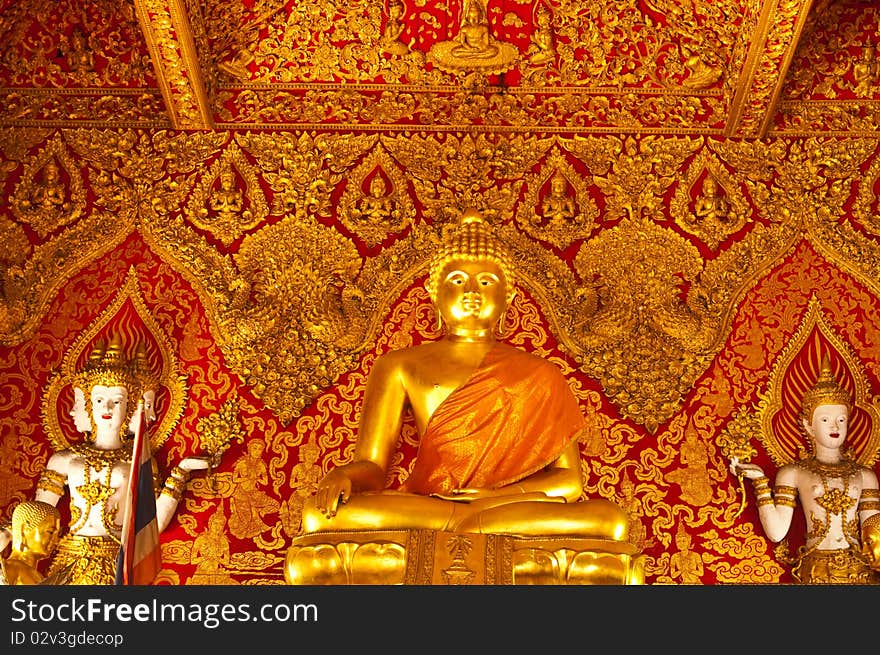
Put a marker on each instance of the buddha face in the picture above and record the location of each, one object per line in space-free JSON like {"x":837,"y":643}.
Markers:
{"x":42,"y":538}
{"x":829,"y":426}
{"x":109,"y":405}
{"x":471,"y":295}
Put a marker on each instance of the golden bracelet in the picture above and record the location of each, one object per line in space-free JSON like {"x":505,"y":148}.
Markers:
{"x":786,"y":490}
{"x":871,"y":493}
{"x":764,"y":500}
{"x":869,"y":504}
{"x":787,"y":502}
{"x":761,"y":482}
{"x":179,"y":474}
{"x":176,"y":494}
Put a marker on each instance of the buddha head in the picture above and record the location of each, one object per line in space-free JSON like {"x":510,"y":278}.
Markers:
{"x":471,"y":280}
{"x":35,"y":528}
{"x":825,"y":410}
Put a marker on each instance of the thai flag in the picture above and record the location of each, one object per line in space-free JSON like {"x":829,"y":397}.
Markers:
{"x":139,"y":556}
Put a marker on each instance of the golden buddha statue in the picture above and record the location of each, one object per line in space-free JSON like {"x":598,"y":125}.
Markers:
{"x":498,"y":427}
{"x":840,"y":497}
{"x":35,"y":530}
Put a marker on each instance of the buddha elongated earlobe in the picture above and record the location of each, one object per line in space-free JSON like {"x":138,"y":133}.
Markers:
{"x":500,"y":331}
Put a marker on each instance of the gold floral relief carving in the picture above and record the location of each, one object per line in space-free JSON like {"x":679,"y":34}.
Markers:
{"x":61,"y":45}
{"x":557,"y":206}
{"x":219,"y":204}
{"x":708,"y":202}
{"x":458,"y":170}
{"x":303,"y":169}
{"x":741,"y":557}
{"x":376,"y":201}
{"x":524,"y":110}
{"x":841,"y":118}
{"x":334,"y":301}
{"x":633,"y":173}
{"x":50,"y":194}
{"x":304,"y":313}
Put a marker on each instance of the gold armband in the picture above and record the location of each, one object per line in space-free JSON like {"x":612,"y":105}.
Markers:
{"x":52,"y":481}
{"x":761,"y":483}
{"x":785,"y":495}
{"x":765,"y":500}
{"x":869,"y":499}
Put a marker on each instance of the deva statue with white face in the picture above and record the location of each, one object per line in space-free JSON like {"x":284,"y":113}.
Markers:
{"x":839,"y":497}
{"x":94,"y":472}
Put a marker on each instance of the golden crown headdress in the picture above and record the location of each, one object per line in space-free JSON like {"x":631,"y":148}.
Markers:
{"x":826,"y":391}
{"x":109,"y":366}
{"x":472,"y":239}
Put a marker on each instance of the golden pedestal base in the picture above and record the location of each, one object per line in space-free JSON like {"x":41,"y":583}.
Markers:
{"x":429,"y":557}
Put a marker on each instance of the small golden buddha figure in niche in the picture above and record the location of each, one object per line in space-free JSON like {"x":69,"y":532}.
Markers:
{"x":558,"y":206}
{"x":376,"y":207}
{"x":36,"y":527}
{"x":80,"y":57}
{"x":228,"y":201}
{"x":840,"y":497}
{"x":498,"y":426}
{"x":390,"y":41}
{"x":711,"y":206}
{"x":866,"y":71}
{"x":49,"y":193}
{"x":474,"y":39}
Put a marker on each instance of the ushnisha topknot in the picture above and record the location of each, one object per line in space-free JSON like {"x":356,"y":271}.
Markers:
{"x":471,"y":240}
{"x":826,"y":391}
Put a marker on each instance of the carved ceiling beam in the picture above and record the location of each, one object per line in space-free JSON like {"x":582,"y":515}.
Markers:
{"x":773,"y":45}
{"x":168,"y":31}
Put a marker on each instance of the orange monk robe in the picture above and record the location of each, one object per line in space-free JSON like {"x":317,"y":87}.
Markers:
{"x":515,"y":415}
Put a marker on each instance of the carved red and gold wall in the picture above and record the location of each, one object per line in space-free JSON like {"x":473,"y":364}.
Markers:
{"x":693,"y":228}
